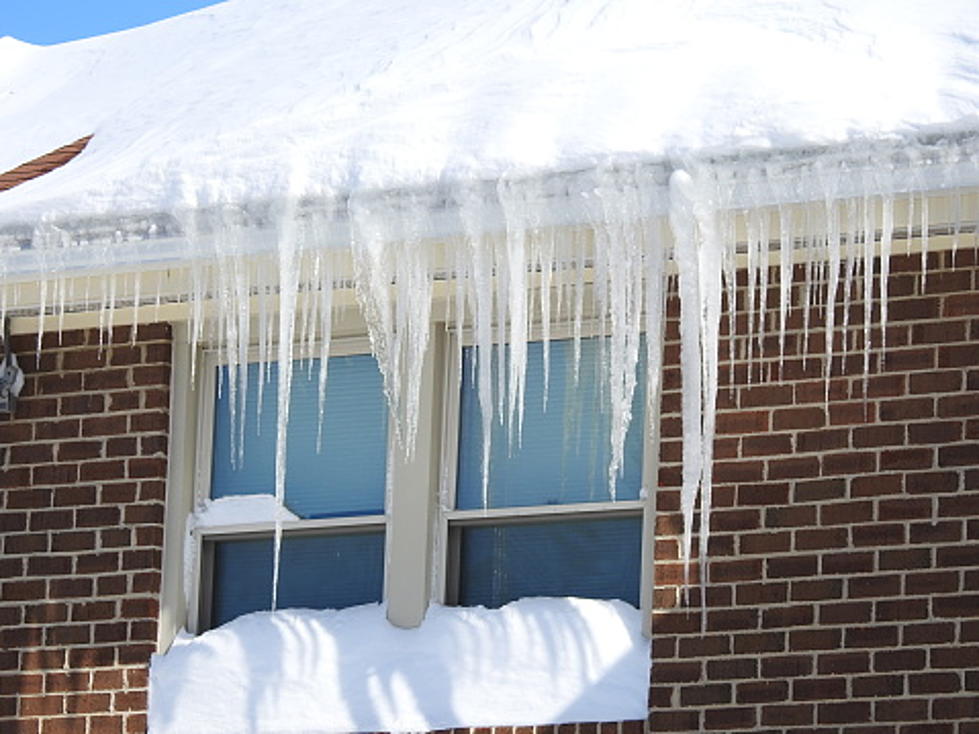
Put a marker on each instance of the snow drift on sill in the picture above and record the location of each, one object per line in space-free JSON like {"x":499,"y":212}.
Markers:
{"x":225,"y":103}
{"x":534,"y":661}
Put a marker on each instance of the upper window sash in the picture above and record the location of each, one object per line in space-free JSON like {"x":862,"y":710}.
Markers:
{"x":346,"y":478}
{"x":563,"y":453}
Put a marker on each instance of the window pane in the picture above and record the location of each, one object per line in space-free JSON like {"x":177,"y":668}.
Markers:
{"x":315,"y":571}
{"x":593,"y":558}
{"x":347,"y":476}
{"x":565,"y":453}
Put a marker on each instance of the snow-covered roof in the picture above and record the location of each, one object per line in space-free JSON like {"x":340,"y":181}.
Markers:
{"x":250,"y":100}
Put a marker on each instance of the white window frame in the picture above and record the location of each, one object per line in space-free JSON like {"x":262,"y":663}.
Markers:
{"x":449,"y":516}
{"x":204,"y":538}
{"x":420,"y":491}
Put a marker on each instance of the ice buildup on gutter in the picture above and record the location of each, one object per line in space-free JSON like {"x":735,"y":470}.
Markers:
{"x":515,"y":256}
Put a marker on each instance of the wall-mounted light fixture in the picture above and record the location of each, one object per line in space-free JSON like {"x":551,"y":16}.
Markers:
{"x":11,"y":376}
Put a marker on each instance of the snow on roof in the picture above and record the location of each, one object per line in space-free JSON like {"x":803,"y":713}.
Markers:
{"x":252,"y":100}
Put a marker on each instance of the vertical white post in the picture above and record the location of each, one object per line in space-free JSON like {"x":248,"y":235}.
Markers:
{"x":179,"y":490}
{"x":411,"y":515}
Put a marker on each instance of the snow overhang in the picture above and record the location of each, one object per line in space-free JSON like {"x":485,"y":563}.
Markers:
{"x":130,"y":242}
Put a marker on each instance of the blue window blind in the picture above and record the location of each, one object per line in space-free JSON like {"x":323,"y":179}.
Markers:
{"x":347,"y":476}
{"x":329,"y":571}
{"x":564,"y":453}
{"x":597,"y":558}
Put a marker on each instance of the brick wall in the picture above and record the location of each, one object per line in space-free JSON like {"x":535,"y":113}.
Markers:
{"x":81,"y":512}
{"x":843,"y":590}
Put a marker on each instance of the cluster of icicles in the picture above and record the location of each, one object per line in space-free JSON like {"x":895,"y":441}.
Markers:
{"x":600,"y":246}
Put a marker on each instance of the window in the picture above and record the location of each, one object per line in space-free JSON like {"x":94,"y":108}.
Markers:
{"x":550,"y":525}
{"x":332,"y":553}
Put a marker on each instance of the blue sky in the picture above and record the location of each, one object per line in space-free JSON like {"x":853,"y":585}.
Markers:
{"x":55,"y":21}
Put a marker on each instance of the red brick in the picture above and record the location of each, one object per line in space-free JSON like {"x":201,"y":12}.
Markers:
{"x":49,"y":430}
{"x":773,"y":542}
{"x":83,"y":404}
{"x":70,"y":587}
{"x":766,"y":593}
{"x":959,"y":455}
{"x":878,"y":534}
{"x":821,"y":539}
{"x":825,"y":440}
{"x":729,"y":718}
{"x":54,"y":474}
{"x":796,"y":418}
{"x":42,"y":705}
{"x":901,"y":709}
{"x":928,"y":633}
{"x":732,"y":668}
{"x":818,"y":689}
{"x":740,"y":422}
{"x":76,"y":495}
{"x":934,"y":683}
{"x":703,"y":646}
{"x":795,"y":468}
{"x":787,"y":715}
{"x":673,"y":721}
{"x":845,"y":613}
{"x":901,"y":659}
{"x":791,"y":616}
{"x":69,"y":725}
{"x":706,"y":694}
{"x":106,"y":379}
{"x":149,"y":421}
{"x":955,"y":556}
{"x":962,"y":708}
{"x":851,"y":712}
{"x":932,"y":482}
{"x":106,"y":724}
{"x":819,"y":590}
{"x":846,"y":512}
{"x":686,"y":672}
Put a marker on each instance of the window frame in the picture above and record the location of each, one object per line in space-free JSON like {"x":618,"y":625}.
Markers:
{"x":204,"y":538}
{"x":417,"y":518}
{"x":446,"y":571}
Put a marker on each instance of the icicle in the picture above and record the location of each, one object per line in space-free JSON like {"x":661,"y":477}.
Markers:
{"x":520,"y":201}
{"x":785,"y":247}
{"x":869,"y":232}
{"x":654,"y":273}
{"x":546,"y":267}
{"x":264,"y":339}
{"x":709,"y":267}
{"x":763,"y":241}
{"x":620,"y":242}
{"x":137,"y":288}
{"x":683,"y":225}
{"x":833,"y":278}
{"x":480,"y":253}
{"x":389,"y":248}
{"x":326,"y":329}
{"x":886,"y":239}
{"x":925,"y":233}
{"x":159,"y":295}
{"x":728,"y":236}
{"x":850,"y":269}
{"x":910,"y":224}
{"x":751,"y":217}
{"x":288,"y":249}
{"x":62,"y":300}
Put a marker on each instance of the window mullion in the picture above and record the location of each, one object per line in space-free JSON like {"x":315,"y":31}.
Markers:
{"x":411,"y":514}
